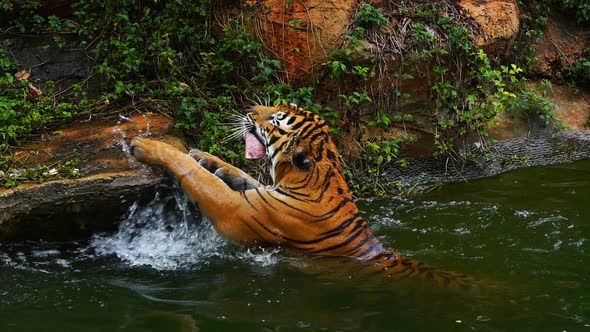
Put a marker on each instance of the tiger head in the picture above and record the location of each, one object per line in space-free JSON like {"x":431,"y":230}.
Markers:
{"x":297,"y":143}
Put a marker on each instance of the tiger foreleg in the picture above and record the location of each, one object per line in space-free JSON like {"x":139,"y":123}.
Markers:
{"x":200,"y":184}
{"x":222,"y":205}
{"x":234,"y":177}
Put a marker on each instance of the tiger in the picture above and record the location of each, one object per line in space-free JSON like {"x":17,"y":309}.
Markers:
{"x":308,"y":207}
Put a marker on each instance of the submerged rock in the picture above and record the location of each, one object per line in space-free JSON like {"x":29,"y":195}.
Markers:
{"x":537,"y":148}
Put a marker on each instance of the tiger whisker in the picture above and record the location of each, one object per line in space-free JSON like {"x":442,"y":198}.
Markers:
{"x":234,"y":135}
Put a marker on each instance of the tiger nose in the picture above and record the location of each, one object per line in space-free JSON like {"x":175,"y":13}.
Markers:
{"x":262,"y":112}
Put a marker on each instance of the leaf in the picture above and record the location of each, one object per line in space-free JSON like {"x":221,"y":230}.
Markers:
{"x":23,"y":74}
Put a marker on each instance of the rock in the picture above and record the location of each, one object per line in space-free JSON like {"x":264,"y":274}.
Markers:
{"x":572,"y":108}
{"x":46,"y":62}
{"x":498,"y":21}
{"x":506,"y":126}
{"x":537,"y":148}
{"x":70,"y":209}
{"x":563,"y":43}
{"x":74,"y":208}
{"x":304,"y":33}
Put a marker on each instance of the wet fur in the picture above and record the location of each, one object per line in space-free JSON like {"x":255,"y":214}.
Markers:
{"x":308,"y":208}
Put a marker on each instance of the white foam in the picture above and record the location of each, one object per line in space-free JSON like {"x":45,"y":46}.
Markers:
{"x":165,"y":235}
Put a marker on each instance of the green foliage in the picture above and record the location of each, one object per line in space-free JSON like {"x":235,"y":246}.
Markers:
{"x":581,"y":8}
{"x":143,"y":47}
{"x":579,"y":71}
{"x":532,"y":100}
{"x":369,"y":16}
{"x":21,"y":111}
{"x":534,"y":17}
{"x":42,"y":173}
{"x":175,"y":57}
{"x":469,"y":94}
{"x":540,"y":9}
{"x":350,"y":62}
{"x":162,"y":55}
{"x":381,"y":149}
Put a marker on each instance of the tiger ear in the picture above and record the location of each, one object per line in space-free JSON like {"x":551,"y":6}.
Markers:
{"x":301,"y":160}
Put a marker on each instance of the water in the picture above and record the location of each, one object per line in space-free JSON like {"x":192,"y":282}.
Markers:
{"x":164,"y":271}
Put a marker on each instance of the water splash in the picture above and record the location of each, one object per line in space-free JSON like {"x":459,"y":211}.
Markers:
{"x":166,"y":234}
{"x":161,"y":234}
{"x":123,"y":134}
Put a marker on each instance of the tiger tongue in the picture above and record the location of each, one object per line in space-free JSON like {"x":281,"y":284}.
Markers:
{"x":254,"y":149}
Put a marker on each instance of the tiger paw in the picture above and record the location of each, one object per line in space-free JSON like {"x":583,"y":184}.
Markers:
{"x":148,"y":151}
{"x":235,"y":180}
{"x":207,"y":160}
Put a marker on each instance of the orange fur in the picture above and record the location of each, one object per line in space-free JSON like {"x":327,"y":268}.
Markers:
{"x":308,"y":208}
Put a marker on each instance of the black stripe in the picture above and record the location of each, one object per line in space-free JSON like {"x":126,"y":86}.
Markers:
{"x":315,"y":136}
{"x":343,"y":225}
{"x":335,"y":209}
{"x":342,"y":244}
{"x":320,"y":152}
{"x":305,"y":180}
{"x":248,"y":200}
{"x":273,"y":139}
{"x":264,"y":199}
{"x":372,"y":247}
{"x":359,"y":224}
{"x":298,"y":124}
{"x":291,"y":193}
{"x":360,"y":244}
{"x":282,"y":192}
{"x":320,"y":217}
{"x":253,"y":230}
{"x":278,"y":149}
{"x":306,"y":129}
{"x":277,"y":235}
{"x":289,"y":239}
{"x":290,"y":206}
{"x":331,"y":155}
{"x":325,"y":187}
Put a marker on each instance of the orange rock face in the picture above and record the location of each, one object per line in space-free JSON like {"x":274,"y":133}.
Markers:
{"x":99,"y":144}
{"x":571,"y":107}
{"x":303,"y":33}
{"x":499,"y":22}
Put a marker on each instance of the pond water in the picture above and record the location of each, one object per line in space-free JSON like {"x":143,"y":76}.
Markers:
{"x":528,"y":231}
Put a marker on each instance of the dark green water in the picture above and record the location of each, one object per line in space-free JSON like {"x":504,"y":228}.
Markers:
{"x":527,"y":230}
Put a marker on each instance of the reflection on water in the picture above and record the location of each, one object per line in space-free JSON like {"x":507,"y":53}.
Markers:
{"x":166,"y":270}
